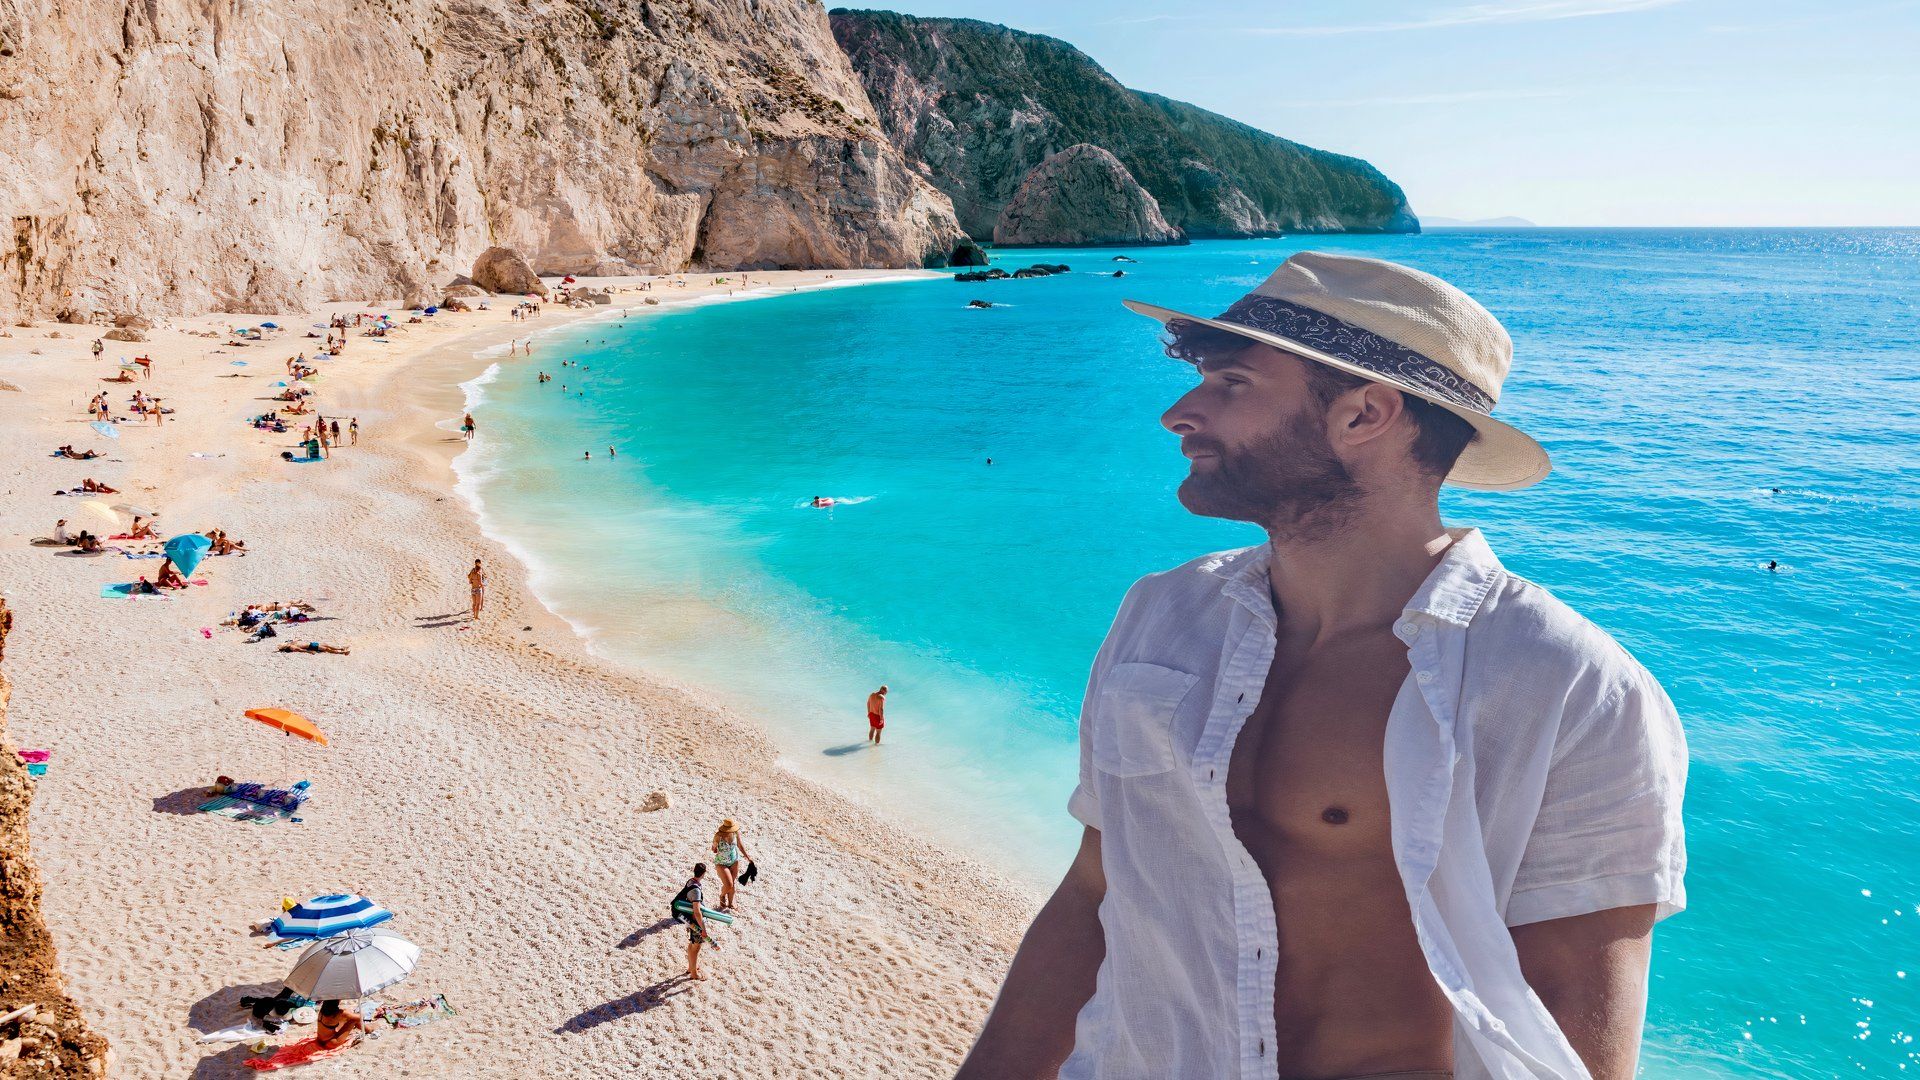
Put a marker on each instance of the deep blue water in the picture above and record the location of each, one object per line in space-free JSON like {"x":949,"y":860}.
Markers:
{"x":1677,"y":377}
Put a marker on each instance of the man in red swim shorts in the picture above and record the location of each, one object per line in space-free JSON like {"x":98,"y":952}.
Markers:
{"x":876,"y":715}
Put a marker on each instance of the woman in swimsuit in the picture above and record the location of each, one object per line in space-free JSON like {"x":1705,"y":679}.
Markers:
{"x":728,"y":849}
{"x":336,"y":1027}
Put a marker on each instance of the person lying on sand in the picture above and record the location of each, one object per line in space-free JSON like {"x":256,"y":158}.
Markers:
{"x":224,"y":544}
{"x":77,"y":455}
{"x":336,"y":1026}
{"x":315,"y":647}
{"x":96,"y":487}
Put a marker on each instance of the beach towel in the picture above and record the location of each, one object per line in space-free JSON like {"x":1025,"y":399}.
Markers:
{"x":258,"y":803}
{"x":246,"y":1032}
{"x":35,"y":761}
{"x":125,"y":592}
{"x":412,"y":1014}
{"x":142,"y":554}
{"x":304,"y":1052}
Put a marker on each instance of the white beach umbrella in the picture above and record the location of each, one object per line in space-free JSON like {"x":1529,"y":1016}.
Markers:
{"x":136,"y":511}
{"x":97,"y":515}
{"x":353,"y":965}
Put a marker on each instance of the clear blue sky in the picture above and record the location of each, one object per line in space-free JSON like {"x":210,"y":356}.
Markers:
{"x":1567,"y":112}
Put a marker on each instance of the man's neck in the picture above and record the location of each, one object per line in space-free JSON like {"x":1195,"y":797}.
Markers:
{"x":1357,"y":577}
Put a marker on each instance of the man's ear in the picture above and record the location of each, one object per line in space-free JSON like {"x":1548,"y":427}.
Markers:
{"x":1365,"y":413}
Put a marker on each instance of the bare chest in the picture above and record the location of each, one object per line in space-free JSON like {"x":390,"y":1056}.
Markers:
{"x":1307,"y":768}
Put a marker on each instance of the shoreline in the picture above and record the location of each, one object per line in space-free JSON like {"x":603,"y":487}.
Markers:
{"x":516,"y":764}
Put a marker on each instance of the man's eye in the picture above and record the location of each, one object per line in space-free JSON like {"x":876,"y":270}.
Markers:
{"x":1232,"y":381}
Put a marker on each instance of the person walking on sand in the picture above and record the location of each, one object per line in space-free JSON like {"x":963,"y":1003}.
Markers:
{"x":353,"y":432}
{"x":1358,"y":800}
{"x":692,"y":895}
{"x":466,"y":427}
{"x":477,"y":584}
{"x":728,"y":849}
{"x":876,"y":715}
{"x":334,"y":427}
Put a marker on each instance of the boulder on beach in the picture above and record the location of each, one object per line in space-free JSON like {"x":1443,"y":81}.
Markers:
{"x":465,"y":289}
{"x":504,"y":270}
{"x":133,"y":322}
{"x":125,"y":335}
{"x":967,"y":253}
{"x":655,"y":800}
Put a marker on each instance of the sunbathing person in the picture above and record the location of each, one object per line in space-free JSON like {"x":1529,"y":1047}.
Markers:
{"x":169,"y":576}
{"x":96,"y":487}
{"x":336,"y":1027}
{"x":315,"y":647}
{"x":142,"y":529}
{"x":226,"y":545}
{"x":77,"y":455}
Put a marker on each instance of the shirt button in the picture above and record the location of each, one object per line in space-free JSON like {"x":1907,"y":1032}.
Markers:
{"x":1409,"y":630}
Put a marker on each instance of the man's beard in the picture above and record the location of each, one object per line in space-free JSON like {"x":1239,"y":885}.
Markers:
{"x":1289,"y":481}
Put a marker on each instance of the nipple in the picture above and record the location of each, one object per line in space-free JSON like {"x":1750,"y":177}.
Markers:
{"x":1333,"y":815}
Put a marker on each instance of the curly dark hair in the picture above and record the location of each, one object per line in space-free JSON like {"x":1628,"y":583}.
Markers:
{"x":1441,"y":436}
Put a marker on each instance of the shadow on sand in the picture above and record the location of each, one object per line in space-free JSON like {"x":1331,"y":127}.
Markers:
{"x":632,"y":1005}
{"x":646,"y":932}
{"x":184,"y":802}
{"x":843,"y":751}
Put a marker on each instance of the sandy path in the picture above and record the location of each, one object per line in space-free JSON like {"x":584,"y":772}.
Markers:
{"x":485,"y":783}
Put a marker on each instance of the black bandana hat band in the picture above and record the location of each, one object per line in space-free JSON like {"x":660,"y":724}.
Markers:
{"x":1361,"y":348}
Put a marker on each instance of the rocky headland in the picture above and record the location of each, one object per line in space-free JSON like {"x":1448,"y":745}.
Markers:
{"x":977,"y":107}
{"x":1082,"y":195}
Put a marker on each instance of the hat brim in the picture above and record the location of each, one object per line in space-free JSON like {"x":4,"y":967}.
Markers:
{"x":1500,"y":458}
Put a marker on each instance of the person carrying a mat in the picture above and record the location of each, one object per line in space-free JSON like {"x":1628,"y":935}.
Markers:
{"x":690,"y":896}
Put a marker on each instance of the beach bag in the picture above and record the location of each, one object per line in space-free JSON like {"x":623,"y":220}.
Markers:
{"x":684,"y":896}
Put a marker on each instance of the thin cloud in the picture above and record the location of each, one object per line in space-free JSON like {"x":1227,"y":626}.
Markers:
{"x":1511,"y":11}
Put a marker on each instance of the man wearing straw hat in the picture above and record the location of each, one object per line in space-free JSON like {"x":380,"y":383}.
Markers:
{"x":1359,"y":802}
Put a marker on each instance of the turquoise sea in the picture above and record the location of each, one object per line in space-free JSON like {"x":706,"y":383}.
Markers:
{"x":1713,"y":400}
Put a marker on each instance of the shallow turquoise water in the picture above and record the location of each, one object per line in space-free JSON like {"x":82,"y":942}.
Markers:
{"x":1678,"y":377}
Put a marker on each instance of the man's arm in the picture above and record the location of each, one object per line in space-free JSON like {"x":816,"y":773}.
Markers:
{"x":1591,"y":972}
{"x":1030,"y":1031}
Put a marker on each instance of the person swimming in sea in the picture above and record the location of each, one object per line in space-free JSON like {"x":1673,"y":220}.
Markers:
{"x":822,"y":500}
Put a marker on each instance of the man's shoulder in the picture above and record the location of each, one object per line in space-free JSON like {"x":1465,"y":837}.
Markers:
{"x":1524,"y":627}
{"x":1205,"y":575}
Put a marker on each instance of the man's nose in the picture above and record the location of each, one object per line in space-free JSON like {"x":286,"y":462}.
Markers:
{"x":1182,"y":418}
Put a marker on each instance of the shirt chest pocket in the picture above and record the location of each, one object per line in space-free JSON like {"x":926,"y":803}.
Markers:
{"x":1133,"y":724}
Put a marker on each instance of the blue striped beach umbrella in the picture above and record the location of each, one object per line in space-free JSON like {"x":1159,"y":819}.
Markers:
{"x":326,"y":916}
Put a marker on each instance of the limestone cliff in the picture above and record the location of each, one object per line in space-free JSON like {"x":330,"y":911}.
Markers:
{"x":169,"y":155}
{"x":1082,"y":195}
{"x":50,"y":1039}
{"x":977,"y":106}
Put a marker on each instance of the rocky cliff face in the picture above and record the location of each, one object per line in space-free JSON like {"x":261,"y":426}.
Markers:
{"x":49,"y":1040}
{"x":257,"y":155}
{"x":977,"y":106}
{"x":1082,"y":195}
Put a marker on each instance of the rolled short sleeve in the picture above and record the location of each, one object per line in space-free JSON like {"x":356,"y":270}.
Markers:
{"x":1609,"y":833}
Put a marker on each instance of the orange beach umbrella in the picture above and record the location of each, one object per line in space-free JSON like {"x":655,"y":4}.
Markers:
{"x":290,"y":722}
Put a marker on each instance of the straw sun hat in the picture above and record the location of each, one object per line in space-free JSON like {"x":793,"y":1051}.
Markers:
{"x":1394,"y":325}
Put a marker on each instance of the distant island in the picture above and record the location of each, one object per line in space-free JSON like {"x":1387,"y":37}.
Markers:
{"x":1434,"y":221}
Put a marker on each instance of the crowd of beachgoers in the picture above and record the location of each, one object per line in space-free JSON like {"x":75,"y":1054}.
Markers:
{"x":285,"y":490}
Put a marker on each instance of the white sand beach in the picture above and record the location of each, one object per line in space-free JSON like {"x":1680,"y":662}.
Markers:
{"x":484,"y":781}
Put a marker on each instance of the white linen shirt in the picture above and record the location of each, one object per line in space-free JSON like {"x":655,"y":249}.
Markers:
{"x":1534,"y":771}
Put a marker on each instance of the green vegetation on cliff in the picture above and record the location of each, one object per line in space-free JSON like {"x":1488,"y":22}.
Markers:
{"x":977,"y":106}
